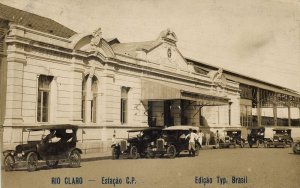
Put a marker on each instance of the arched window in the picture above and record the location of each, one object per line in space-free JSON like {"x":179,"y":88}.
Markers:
{"x":43,"y":98}
{"x":89,"y":99}
{"x":83,"y":98}
{"x":124,"y":105}
{"x":94,"y":100}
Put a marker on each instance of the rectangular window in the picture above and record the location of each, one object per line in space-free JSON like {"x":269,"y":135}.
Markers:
{"x":124,"y":101}
{"x":43,"y":98}
{"x":246,"y":115}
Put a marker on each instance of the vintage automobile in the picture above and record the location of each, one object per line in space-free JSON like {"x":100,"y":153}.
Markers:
{"x":174,"y":141}
{"x":256,"y":136}
{"x":296,"y":147}
{"x":281,"y":137}
{"x":50,"y":143}
{"x":232,"y":138}
{"x":138,"y":143}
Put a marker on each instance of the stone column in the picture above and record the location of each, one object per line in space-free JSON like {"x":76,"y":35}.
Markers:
{"x":14,"y":94}
{"x":258,"y":107}
{"x":289,"y":116}
{"x":77,"y":95}
{"x":275,"y":113}
{"x":14,"y":89}
{"x":229,"y":113}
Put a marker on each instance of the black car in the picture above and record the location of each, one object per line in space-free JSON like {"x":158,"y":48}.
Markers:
{"x":174,"y":141}
{"x":50,"y":143}
{"x":138,"y":143}
{"x":256,"y":136}
{"x":281,"y":137}
{"x":232,"y":138}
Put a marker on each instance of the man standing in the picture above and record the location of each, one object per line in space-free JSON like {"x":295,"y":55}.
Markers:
{"x":192,"y":137}
{"x":217,"y":137}
{"x":200,"y":137}
{"x":207,"y":136}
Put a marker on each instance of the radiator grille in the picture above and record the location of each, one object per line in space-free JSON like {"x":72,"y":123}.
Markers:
{"x":123,"y":145}
{"x":160,"y":144}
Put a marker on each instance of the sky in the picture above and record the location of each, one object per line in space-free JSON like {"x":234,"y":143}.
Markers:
{"x":257,"y":38}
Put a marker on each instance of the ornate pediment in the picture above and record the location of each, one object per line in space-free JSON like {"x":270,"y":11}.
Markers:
{"x":96,"y":37}
{"x":92,"y":43}
{"x":218,"y":78}
{"x":168,"y":36}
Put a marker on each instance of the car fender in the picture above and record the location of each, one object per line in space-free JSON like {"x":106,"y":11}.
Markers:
{"x":6,"y":152}
{"x":72,"y":149}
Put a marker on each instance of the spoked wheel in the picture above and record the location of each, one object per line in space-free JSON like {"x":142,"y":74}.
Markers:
{"x":115,"y":154}
{"x":133,"y":152}
{"x":74,"y":159}
{"x":296,"y":148}
{"x":151,"y":155}
{"x":52,"y":164}
{"x":171,"y":151}
{"x":9,"y":162}
{"x":32,"y":161}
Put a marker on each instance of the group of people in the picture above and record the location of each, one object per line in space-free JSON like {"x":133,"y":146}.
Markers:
{"x":193,"y":137}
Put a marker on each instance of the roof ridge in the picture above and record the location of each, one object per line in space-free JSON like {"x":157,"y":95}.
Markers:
{"x":34,"y":21}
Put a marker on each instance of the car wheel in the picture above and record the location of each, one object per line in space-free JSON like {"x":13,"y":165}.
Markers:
{"x":9,"y":162}
{"x":52,"y":164}
{"x":74,"y":159}
{"x":284,"y":145}
{"x":133,"y":152}
{"x":150,"y":154}
{"x":296,"y":148}
{"x":171,"y":151}
{"x":115,"y":154}
{"x":32,"y":161}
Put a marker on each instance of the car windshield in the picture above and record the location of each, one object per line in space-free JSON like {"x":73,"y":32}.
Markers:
{"x":281,"y":132}
{"x":34,"y":135}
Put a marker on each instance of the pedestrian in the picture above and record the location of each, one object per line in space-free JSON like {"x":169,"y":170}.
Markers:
{"x":192,"y":137}
{"x":114,"y":141}
{"x":207,"y":137}
{"x":217,"y":137}
{"x":200,"y":137}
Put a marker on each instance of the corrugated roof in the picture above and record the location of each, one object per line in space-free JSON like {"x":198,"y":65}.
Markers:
{"x":131,"y":48}
{"x":34,"y":21}
{"x":248,"y":80}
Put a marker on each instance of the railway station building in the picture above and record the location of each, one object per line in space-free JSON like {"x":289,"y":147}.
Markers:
{"x":50,"y":74}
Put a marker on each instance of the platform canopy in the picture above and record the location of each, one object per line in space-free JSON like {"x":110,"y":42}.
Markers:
{"x":154,"y":90}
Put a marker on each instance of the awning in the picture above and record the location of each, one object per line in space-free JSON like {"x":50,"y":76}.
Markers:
{"x":161,"y":90}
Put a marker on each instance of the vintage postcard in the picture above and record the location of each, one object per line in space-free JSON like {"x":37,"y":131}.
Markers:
{"x":148,"y":93}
